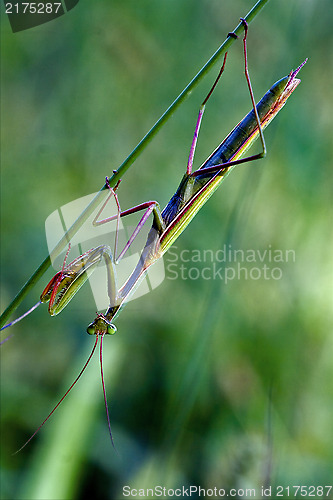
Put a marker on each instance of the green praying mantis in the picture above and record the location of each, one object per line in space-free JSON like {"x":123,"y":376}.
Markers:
{"x":195,"y":188}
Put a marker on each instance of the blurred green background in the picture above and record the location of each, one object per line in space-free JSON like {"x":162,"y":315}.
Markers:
{"x":209,"y":384}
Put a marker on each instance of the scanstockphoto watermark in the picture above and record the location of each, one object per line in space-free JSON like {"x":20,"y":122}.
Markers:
{"x":189,"y":491}
{"x":90,"y":237}
{"x":228,"y":263}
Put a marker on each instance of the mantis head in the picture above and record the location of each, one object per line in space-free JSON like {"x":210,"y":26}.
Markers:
{"x":101,"y":326}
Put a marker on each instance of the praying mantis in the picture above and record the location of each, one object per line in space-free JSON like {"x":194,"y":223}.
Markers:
{"x":194,"y":190}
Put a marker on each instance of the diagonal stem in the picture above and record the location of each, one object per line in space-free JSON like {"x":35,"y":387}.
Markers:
{"x":127,"y":163}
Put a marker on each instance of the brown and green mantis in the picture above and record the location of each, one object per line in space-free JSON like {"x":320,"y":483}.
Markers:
{"x":194,"y":190}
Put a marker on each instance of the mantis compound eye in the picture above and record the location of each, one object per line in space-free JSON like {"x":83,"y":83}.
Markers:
{"x":91,"y":329}
{"x":111,"y":330}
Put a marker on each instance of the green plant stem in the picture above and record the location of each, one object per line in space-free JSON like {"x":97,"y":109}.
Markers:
{"x":119,"y":173}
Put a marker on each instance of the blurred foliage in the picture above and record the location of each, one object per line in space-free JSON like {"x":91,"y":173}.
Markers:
{"x":210,"y":384}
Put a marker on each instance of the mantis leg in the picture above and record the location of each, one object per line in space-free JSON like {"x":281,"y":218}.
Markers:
{"x":65,"y":284}
{"x":199,"y":120}
{"x":150,"y":207}
{"x":209,"y":171}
